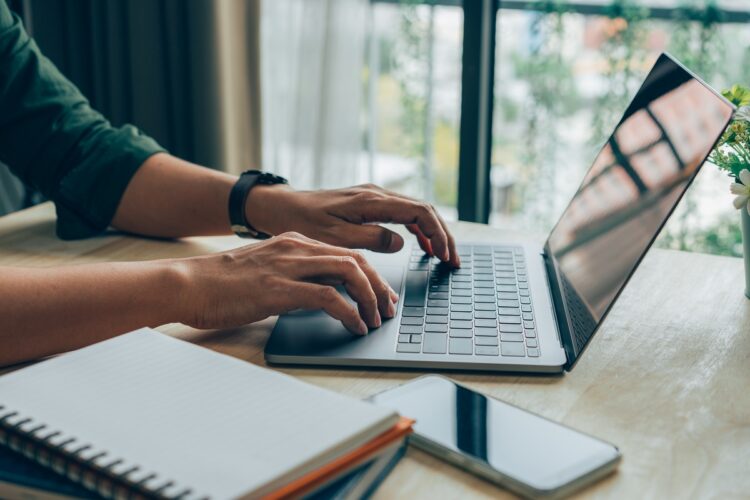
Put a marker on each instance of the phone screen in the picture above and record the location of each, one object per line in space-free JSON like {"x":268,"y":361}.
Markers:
{"x":531,"y":449}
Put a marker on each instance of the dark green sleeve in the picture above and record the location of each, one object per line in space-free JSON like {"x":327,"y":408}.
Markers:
{"x":52,"y":139}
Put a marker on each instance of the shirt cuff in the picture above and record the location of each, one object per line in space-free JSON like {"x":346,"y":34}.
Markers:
{"x":89,"y":194}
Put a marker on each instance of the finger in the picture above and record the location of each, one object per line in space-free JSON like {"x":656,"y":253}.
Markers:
{"x":346,"y":270}
{"x":369,"y":236}
{"x":313,"y":296}
{"x":406,"y":211}
{"x":455,"y":260}
{"x":424,"y":243}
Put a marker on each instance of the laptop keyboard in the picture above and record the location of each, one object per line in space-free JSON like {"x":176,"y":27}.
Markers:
{"x":482,"y":309}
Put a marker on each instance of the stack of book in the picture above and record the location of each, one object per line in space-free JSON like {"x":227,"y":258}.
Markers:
{"x":147,"y":416}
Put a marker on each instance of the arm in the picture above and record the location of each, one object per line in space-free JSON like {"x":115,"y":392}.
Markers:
{"x":47,"y":311}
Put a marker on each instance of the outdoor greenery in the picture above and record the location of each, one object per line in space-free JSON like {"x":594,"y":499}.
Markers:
{"x":532,"y":132}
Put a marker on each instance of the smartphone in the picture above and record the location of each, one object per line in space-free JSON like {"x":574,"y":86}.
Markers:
{"x":521,"y":451}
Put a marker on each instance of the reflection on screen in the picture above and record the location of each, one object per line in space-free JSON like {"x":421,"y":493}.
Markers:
{"x":632,"y":187}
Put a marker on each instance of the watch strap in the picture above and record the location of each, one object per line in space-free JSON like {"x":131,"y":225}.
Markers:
{"x":238,"y":198}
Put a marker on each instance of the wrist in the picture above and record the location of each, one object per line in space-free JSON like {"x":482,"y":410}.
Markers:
{"x":174,"y":280}
{"x":264,"y":205}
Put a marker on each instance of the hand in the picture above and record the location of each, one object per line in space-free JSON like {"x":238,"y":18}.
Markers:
{"x":343,"y":217}
{"x":283,"y":274}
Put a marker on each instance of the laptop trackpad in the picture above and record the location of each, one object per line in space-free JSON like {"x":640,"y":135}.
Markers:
{"x":305,"y":333}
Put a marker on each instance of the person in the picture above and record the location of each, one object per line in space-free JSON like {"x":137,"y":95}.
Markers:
{"x":100,"y":176}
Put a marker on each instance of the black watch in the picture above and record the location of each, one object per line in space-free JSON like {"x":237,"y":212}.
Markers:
{"x":238,"y":197}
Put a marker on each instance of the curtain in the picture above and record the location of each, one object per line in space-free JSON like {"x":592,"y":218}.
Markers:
{"x":312,"y":84}
{"x":184,"y":71}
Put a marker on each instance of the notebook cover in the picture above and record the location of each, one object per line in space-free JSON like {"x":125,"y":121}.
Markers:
{"x":339,"y":466}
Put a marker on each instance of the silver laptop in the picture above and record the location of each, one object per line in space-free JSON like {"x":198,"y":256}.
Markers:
{"x":520,"y":307}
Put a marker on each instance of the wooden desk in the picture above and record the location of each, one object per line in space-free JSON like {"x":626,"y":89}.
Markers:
{"x":667,"y":379}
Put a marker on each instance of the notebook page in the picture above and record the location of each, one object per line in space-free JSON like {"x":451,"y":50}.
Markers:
{"x":207,"y":421}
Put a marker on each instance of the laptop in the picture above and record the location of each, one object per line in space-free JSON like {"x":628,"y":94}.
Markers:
{"x":520,"y":307}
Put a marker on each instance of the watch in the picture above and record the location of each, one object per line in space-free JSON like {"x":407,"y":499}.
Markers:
{"x":238,"y":196}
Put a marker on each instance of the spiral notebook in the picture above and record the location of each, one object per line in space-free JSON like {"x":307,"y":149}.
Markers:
{"x":148,"y":415}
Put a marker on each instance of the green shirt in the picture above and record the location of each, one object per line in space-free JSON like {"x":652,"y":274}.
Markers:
{"x":52,"y":139}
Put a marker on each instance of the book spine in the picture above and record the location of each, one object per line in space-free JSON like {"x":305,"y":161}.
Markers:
{"x":35,"y":441}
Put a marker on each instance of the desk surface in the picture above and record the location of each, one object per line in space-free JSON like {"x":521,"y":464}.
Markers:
{"x":666,"y":379}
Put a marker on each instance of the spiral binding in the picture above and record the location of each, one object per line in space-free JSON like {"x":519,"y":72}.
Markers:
{"x":67,"y":462}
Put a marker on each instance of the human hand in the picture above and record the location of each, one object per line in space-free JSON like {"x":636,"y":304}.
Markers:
{"x":344,"y":217}
{"x":279,"y":275}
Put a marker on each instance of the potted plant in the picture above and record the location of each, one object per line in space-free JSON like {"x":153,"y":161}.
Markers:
{"x":732,"y":154}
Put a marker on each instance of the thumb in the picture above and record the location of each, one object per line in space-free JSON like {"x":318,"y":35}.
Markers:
{"x":371,"y":237}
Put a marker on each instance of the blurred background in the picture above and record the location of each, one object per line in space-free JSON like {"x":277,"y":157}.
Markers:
{"x":490,"y":110}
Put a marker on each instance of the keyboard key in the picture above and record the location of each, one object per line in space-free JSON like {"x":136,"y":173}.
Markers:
{"x":507,"y":296}
{"x":485,"y":315}
{"x":511,"y":328}
{"x":508,"y":311}
{"x":505,"y":281}
{"x":461,"y":346}
{"x":509,"y":319}
{"x":530,"y":334}
{"x":436,"y":319}
{"x":484,"y":306}
{"x":434,"y":343}
{"x":523,"y":286}
{"x":511,"y":337}
{"x":462,"y":272}
{"x":461,"y":300}
{"x":404,"y":338}
{"x":462,"y":286}
{"x":436,"y":328}
{"x":413,"y":348}
{"x":462,"y":316}
{"x":507,"y":303}
{"x":416,"y":339}
{"x":534,"y":352}
{"x":412,"y":321}
{"x":528,"y":325}
{"x":437,"y":303}
{"x":528,"y":316}
{"x":460,"y":293}
{"x":437,"y":311}
{"x":512,"y":349}
{"x":461,"y":324}
{"x":526,"y":308}
{"x":415,"y":288}
{"x":486,"y":350}
{"x":413,"y":312}
{"x":531,"y":343}
{"x":522,"y":279}
{"x":484,"y":285}
{"x":466,"y":334}
{"x":525,"y":300}
{"x":439,"y":288}
{"x":485,"y":332}
{"x":484,"y":291}
{"x":410,"y":329}
{"x":523,"y":293}
{"x":483,"y":278}
{"x":461,"y":279}
{"x":485,"y":323}
{"x":485,"y":341}
{"x":487,"y":299}
{"x":437,"y":295}
{"x":461,"y":308}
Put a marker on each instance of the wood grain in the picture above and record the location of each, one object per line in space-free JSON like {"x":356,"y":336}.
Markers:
{"x":666,"y":379}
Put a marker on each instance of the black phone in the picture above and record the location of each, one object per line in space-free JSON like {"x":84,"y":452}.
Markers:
{"x":524,"y":452}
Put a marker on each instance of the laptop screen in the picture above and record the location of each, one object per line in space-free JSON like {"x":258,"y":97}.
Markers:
{"x":633,"y":186}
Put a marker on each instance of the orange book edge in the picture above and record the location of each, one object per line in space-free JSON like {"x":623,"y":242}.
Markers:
{"x":319,"y":476}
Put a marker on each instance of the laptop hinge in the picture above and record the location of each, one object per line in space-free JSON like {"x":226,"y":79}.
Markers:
{"x":563,"y":327}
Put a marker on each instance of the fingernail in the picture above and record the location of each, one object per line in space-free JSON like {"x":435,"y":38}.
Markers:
{"x":446,"y":256}
{"x":362,"y":328}
{"x":378,"y":320}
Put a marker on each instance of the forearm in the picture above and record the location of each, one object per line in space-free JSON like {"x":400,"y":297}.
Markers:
{"x":48,"y":311}
{"x":169,"y":197}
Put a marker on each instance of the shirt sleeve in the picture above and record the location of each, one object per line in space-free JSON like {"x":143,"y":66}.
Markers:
{"x":52,"y":139}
